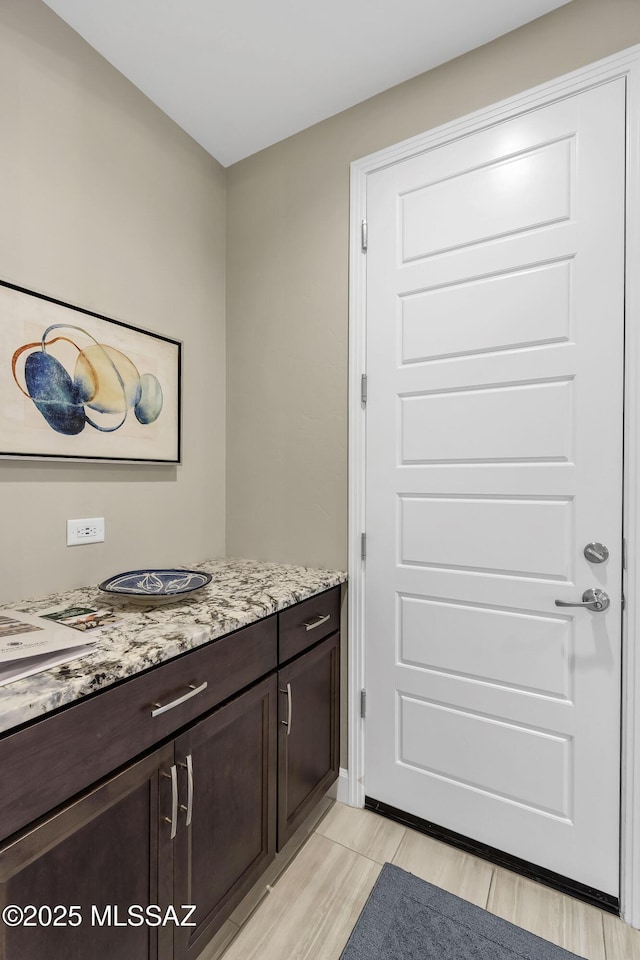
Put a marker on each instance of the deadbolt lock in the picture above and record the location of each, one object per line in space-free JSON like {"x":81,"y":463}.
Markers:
{"x":596,"y":552}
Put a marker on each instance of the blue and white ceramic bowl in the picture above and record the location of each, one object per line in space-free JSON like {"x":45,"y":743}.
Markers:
{"x":155,"y":586}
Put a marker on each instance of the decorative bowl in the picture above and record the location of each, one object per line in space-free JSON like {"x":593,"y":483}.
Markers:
{"x":155,"y":586}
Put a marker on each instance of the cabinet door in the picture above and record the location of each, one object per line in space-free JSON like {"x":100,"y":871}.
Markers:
{"x":308,"y":732}
{"x":102,"y":854}
{"x":230,"y":758}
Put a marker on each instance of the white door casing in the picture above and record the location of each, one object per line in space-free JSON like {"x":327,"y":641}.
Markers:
{"x":625,"y":66}
{"x":495,"y":280}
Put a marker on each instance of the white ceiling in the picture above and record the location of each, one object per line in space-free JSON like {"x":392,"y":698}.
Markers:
{"x":239,"y":75}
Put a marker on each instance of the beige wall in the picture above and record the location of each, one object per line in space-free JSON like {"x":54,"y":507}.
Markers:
{"x":106,"y":204}
{"x":287,"y":282}
{"x":287,"y":279}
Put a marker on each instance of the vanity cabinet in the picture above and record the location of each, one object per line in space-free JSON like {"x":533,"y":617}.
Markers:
{"x":308,"y":707}
{"x":89,"y":862}
{"x":49,"y":761}
{"x":226,"y":835}
{"x":138,"y":840}
{"x":234,"y":747}
{"x":308,"y":733}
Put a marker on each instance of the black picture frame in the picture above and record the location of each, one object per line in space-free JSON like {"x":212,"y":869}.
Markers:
{"x":77,"y":385}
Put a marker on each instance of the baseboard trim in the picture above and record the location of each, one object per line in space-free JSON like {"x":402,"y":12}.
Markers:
{"x":339,"y":790}
{"x":572,"y":888}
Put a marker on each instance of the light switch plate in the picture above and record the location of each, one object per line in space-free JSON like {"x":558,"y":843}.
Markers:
{"x":85,"y":531}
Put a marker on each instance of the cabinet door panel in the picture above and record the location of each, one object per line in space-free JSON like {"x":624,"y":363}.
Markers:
{"x":102,"y":853}
{"x":308,"y":733}
{"x":231,"y":838}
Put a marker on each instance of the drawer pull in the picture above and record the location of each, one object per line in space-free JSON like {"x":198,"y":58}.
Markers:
{"x":287,"y":722}
{"x":317,"y":623}
{"x":193,"y":691}
{"x":188,"y":766}
{"x":173,"y":819}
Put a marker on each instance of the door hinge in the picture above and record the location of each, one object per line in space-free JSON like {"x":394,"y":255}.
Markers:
{"x":363,"y":546}
{"x":363,"y":703}
{"x":364,"y":235}
{"x":363,"y":389}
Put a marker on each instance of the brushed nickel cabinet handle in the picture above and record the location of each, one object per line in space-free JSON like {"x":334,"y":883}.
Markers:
{"x":173,"y":819}
{"x":193,"y":691}
{"x":188,"y":766}
{"x":317,"y":623}
{"x":287,"y":722}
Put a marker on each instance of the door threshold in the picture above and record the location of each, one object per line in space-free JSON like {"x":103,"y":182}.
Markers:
{"x":595,"y":898}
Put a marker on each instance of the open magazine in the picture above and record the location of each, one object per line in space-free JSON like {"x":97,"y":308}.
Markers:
{"x":30,"y":644}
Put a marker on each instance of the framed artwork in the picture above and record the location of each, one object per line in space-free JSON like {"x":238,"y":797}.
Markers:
{"x":75,"y":385}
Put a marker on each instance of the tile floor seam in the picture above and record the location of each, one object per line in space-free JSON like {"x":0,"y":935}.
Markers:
{"x":321,"y":819}
{"x":490,"y":890}
{"x":395,"y":853}
{"x":607,"y":954}
{"x":351,"y":850}
{"x":605,"y":950}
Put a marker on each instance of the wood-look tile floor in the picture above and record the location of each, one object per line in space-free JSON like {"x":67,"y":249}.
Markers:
{"x":311,"y":909}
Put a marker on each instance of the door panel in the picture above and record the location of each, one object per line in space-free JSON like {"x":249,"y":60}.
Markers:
{"x":520,"y":650}
{"x":488,"y":201}
{"x":485,"y":742}
{"x":494,"y":455}
{"x":527,"y":538}
{"x":462,"y":424}
{"x":441,"y":323}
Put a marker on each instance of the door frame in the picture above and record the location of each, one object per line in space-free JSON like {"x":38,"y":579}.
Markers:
{"x":625,"y":64}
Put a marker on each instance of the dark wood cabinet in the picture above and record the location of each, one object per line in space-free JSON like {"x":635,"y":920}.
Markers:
{"x":238,"y":752}
{"x":84,"y":867}
{"x":308,"y":732}
{"x":49,"y":761}
{"x":230,"y":758}
{"x":114,"y":848}
{"x":303,"y":625}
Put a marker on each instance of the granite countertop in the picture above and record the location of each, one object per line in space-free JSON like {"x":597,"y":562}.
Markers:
{"x":240,"y":593}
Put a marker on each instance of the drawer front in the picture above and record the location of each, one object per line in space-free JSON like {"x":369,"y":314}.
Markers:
{"x":301,"y":626}
{"x":50,"y":761}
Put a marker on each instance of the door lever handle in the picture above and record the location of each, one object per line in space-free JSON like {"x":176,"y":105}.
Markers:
{"x":592,"y":599}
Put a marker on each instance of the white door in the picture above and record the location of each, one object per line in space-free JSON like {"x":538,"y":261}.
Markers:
{"x":494,"y":457}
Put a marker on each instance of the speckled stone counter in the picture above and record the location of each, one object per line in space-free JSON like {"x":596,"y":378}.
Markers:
{"x":240,"y":593}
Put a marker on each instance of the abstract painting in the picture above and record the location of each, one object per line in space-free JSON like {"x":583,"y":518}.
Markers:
{"x":77,"y":385}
